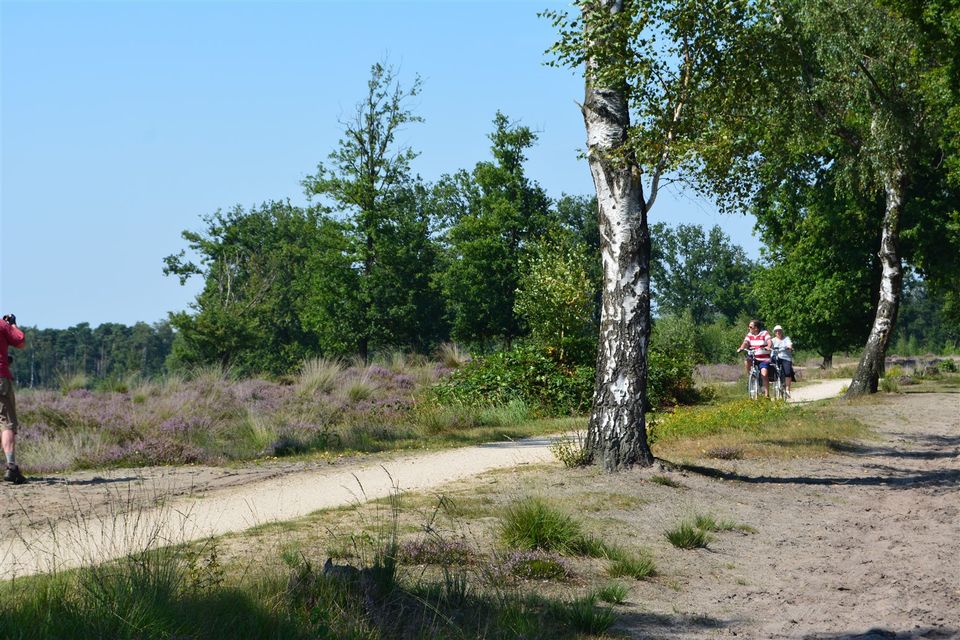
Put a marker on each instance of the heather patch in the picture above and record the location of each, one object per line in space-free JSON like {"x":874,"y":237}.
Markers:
{"x":435,"y":550}
{"x":211,"y":417}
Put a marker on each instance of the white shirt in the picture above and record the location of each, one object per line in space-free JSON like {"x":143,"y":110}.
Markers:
{"x":780,"y":347}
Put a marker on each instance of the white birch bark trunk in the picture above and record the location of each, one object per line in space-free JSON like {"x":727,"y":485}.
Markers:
{"x":616,"y":435}
{"x":868,"y":373}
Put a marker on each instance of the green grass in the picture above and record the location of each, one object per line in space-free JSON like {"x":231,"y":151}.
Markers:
{"x":612,"y":593}
{"x":665,"y":481}
{"x":625,"y":564}
{"x":585,"y":616}
{"x":531,"y":523}
{"x":687,"y":535}
{"x":708,"y":522}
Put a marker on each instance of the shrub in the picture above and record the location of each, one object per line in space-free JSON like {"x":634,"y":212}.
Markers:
{"x":526,"y":373}
{"x":584,"y":616}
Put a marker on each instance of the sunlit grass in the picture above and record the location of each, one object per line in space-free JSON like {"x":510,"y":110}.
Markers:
{"x":753,"y":430}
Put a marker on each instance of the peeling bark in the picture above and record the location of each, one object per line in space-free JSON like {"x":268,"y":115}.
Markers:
{"x":616,"y":435}
{"x":867,"y":376}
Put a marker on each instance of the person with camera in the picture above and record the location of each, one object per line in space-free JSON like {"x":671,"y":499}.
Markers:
{"x":10,"y":336}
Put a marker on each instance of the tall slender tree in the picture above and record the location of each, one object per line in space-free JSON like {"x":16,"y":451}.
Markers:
{"x":645,"y":62}
{"x":369,"y":180}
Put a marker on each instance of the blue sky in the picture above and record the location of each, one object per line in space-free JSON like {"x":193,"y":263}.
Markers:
{"x":124,"y":122}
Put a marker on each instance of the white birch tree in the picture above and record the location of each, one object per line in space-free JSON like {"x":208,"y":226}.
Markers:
{"x":644,"y":63}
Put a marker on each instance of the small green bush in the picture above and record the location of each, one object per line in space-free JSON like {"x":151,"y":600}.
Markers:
{"x":889,"y":384}
{"x":583,"y":615}
{"x":526,"y":373}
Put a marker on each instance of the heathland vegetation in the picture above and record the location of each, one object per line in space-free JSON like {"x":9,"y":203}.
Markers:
{"x":331,"y":328}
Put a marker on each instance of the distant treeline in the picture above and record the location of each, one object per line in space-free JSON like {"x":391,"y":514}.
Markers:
{"x":108,"y":351}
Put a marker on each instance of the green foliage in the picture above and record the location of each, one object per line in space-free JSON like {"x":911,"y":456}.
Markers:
{"x":687,"y":535}
{"x":555,"y":297}
{"x":822,"y":266}
{"x":670,"y":362}
{"x":250,"y":262}
{"x":613,"y":593}
{"x":525,"y":373}
{"x":388,"y":263}
{"x":491,"y":214}
{"x":108,"y":352}
{"x":585,"y":616}
{"x":700,"y":274}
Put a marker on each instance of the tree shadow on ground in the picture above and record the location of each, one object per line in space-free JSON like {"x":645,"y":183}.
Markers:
{"x":661,"y":625}
{"x":892,"y":477}
{"x":60,"y":480}
{"x":925,"y":633}
{"x":932,"y":447}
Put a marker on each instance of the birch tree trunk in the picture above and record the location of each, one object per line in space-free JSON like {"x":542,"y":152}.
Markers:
{"x":868,"y":373}
{"x":616,"y":435}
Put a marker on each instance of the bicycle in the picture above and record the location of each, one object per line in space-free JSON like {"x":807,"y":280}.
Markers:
{"x":753,"y":381}
{"x":778,"y":384}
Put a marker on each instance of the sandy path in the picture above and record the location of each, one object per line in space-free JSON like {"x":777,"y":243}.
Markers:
{"x":859,"y":546}
{"x":87,"y":518}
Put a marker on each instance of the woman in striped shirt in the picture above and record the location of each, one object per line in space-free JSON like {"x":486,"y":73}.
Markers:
{"x":759,"y":340}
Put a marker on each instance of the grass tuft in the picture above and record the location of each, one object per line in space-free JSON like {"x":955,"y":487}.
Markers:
{"x":665,"y":481}
{"x":624,"y":564}
{"x":688,"y":536}
{"x":319,"y":375}
{"x":584,"y":616}
{"x":572,"y":451}
{"x":613,"y":593}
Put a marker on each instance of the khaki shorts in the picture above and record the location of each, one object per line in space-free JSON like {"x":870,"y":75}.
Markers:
{"x":8,"y":406}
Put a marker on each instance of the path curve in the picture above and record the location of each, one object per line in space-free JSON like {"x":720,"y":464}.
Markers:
{"x":89,"y":537}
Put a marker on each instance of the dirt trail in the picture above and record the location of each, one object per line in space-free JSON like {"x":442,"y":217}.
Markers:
{"x":860,"y":546}
{"x":58,"y":522}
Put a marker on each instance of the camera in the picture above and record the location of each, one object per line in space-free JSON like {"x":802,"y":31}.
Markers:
{"x":12,"y":319}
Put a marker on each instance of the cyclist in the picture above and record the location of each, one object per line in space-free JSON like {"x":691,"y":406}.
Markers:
{"x":783,"y":349}
{"x":759,"y":341}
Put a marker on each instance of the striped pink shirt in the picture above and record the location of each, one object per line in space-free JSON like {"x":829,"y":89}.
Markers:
{"x":758,"y":342}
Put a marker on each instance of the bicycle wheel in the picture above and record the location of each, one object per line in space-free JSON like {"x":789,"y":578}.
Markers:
{"x":780,"y":390}
{"x":753,"y":385}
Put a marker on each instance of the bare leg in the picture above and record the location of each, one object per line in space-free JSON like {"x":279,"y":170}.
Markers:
{"x":9,"y":441}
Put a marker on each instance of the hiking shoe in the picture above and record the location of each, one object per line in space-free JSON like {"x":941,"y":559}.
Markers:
{"x":13,"y":474}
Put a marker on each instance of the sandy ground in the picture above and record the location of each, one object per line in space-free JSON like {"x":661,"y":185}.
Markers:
{"x":86,"y":517}
{"x":862,"y":545}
